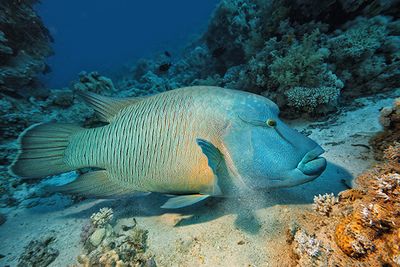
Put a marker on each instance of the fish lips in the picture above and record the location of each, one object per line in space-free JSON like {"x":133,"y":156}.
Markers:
{"x":312,"y":164}
{"x":308,"y":169}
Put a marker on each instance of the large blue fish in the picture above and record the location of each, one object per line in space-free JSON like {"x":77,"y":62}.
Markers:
{"x":191,"y":142}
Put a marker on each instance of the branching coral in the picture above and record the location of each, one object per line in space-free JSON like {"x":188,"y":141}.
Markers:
{"x":359,"y":40}
{"x":323,"y":203}
{"x":102,"y":218}
{"x":307,"y":244}
{"x":313,"y":99}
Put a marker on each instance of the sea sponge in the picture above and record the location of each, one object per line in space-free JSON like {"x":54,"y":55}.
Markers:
{"x":102,"y":218}
{"x":351,"y":237}
{"x":394,"y":245}
{"x":323,"y":203}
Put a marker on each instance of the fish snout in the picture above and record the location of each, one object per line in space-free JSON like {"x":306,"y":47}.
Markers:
{"x":312,"y":164}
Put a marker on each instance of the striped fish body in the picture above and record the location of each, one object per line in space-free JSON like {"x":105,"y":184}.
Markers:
{"x":193,"y":142}
{"x":151,"y":145}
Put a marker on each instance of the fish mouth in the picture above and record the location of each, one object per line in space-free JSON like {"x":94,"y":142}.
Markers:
{"x":310,"y":167}
{"x":312,"y":164}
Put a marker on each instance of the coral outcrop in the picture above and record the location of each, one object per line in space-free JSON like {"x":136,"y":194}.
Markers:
{"x":120,"y":245}
{"x":390,"y":121}
{"x":94,"y":82}
{"x":374,"y":220}
{"x":360,"y":227}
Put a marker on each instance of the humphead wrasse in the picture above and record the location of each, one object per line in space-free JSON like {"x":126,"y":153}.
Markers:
{"x":192,"y":142}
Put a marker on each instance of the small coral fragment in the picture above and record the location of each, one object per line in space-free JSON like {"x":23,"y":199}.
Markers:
{"x":323,"y":203}
{"x":105,"y":245}
{"x":307,"y":244}
{"x":103,"y":217}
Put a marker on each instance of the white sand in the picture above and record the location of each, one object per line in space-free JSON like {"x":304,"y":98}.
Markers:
{"x":207,"y":234}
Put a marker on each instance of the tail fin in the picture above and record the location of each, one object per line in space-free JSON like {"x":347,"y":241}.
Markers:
{"x":42,"y":149}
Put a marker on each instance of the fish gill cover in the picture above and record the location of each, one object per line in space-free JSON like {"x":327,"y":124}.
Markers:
{"x":312,"y":58}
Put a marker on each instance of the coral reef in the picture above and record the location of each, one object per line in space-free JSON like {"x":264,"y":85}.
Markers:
{"x":38,"y":253}
{"x":24,"y":46}
{"x":120,"y":245}
{"x":375,"y":217}
{"x":298,"y":53}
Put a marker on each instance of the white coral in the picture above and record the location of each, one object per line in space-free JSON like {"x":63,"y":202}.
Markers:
{"x":367,"y":214}
{"x":386,"y":185}
{"x":323,"y":203}
{"x":307,"y":244}
{"x":103,"y":217}
{"x":361,"y":245}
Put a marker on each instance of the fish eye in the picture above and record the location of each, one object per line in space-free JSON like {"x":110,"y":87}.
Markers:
{"x":271,"y":123}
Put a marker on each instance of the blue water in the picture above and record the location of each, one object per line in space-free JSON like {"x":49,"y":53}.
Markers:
{"x":105,"y":35}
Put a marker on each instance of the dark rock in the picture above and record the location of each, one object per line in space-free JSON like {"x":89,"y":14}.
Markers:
{"x":63,"y":98}
{"x":23,"y":49}
{"x":150,"y":263}
{"x":3,"y":218}
{"x":38,"y":253}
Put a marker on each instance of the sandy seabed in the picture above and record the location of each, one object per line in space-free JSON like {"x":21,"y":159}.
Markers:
{"x":248,"y":231}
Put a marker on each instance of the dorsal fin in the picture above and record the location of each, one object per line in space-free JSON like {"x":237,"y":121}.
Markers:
{"x":107,"y":107}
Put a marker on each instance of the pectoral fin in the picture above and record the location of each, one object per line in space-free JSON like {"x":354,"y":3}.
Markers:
{"x":213,"y":154}
{"x":183,"y":201}
{"x":215,"y":160}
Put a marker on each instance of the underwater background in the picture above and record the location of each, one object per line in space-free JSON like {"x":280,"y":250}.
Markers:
{"x":332,"y":67}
